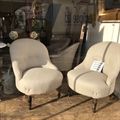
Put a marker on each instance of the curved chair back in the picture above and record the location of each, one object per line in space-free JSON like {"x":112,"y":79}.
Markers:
{"x":64,"y":59}
{"x":26,"y":53}
{"x":58,"y":45}
{"x":96,"y":82}
{"x":107,"y":52}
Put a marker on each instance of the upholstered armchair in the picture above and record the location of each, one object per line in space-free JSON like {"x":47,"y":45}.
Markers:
{"x":64,"y":59}
{"x":89,"y":82}
{"x":34,"y":72}
{"x":58,"y":44}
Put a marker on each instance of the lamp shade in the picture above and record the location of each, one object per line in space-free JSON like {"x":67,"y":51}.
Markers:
{"x":2,"y":45}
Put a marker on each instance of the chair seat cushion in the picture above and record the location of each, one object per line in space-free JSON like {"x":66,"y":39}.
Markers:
{"x":39,"y":80}
{"x":89,"y":83}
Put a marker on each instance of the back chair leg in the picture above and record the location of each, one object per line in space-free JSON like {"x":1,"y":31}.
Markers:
{"x":30,"y":102}
{"x":111,"y":96}
{"x":70,"y":93}
{"x":94,"y":105}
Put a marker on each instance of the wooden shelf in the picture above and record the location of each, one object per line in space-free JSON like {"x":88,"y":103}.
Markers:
{"x":116,"y":10}
{"x":113,"y":14}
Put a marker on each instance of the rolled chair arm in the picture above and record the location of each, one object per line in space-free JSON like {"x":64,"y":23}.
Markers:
{"x":112,"y":77}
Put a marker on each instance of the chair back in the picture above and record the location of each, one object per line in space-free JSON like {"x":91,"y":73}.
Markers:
{"x":28,"y":53}
{"x":107,"y":52}
{"x":64,"y":59}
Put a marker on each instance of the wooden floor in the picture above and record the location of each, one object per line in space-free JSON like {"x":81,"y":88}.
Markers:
{"x":48,"y":107}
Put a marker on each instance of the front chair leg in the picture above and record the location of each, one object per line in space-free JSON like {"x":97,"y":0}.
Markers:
{"x":94,"y":105}
{"x":59,"y":92}
{"x":30,"y":102}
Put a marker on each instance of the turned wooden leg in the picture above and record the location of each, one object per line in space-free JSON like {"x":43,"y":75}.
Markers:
{"x":111,"y":97}
{"x":94,"y":105}
{"x":69,"y":92}
{"x":30,"y":102}
{"x":59,"y":92}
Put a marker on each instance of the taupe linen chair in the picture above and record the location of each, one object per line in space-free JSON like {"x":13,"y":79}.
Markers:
{"x":34,"y":72}
{"x":58,"y":45}
{"x":64,"y":59}
{"x":92,"y":83}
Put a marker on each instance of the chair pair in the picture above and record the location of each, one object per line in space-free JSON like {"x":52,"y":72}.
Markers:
{"x":35,"y":74}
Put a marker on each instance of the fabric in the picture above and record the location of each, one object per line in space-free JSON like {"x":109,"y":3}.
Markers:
{"x":64,"y":59}
{"x":91,"y":83}
{"x":34,"y":72}
{"x":58,"y":45}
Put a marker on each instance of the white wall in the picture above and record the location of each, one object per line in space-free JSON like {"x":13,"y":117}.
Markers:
{"x":106,"y":31}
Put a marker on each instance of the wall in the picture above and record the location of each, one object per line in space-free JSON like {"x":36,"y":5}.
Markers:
{"x":67,"y":18}
{"x":105,"y":31}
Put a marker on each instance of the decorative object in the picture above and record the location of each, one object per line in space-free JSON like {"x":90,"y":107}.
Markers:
{"x":33,"y":35}
{"x":39,"y":8}
{"x":13,"y":35}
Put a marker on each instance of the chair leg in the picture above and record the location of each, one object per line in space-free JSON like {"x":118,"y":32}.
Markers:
{"x":69,"y":92}
{"x":30,"y":102}
{"x":94,"y":105}
{"x":59,"y":92}
{"x":111,"y":97}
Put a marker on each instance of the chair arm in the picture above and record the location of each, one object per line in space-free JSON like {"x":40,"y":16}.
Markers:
{"x":112,"y":77}
{"x":81,"y":65}
{"x":50,"y":66}
{"x":17,"y":72}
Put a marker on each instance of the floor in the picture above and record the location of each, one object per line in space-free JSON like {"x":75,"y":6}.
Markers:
{"x":48,"y":107}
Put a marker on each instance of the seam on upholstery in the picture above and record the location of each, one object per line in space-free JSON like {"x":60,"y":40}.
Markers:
{"x":103,"y":59}
{"x":78,"y":77}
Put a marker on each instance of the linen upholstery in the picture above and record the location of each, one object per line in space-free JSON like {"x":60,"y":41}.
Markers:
{"x":58,"y":45}
{"x":34,"y":72}
{"x":64,"y":59}
{"x":91,"y":83}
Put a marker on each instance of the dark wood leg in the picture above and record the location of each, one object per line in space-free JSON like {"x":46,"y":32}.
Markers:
{"x":30,"y":102}
{"x":69,"y":92}
{"x":94,"y":105}
{"x":59,"y":92}
{"x":111,"y":97}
